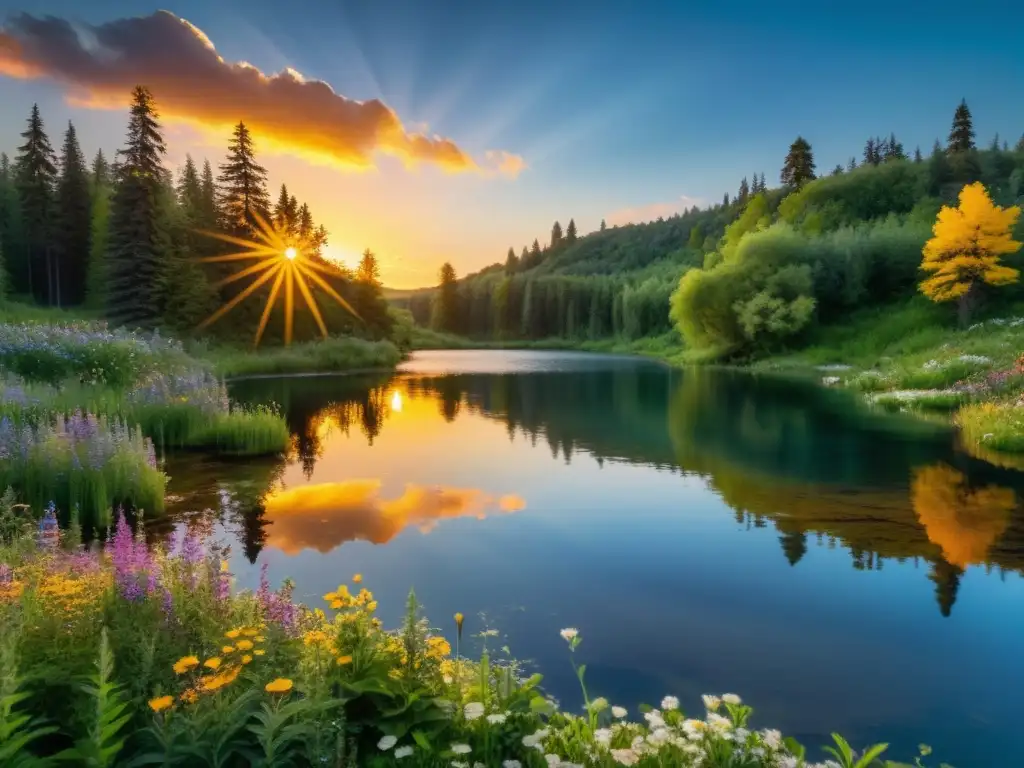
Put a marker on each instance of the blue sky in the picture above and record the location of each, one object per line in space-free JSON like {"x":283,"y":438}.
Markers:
{"x":619,"y":110}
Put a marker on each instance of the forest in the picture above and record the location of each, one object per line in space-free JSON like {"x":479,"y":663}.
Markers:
{"x":147,"y":247}
{"x":752,"y":274}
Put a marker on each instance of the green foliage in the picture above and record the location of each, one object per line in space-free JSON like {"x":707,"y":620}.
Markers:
{"x":18,"y":730}
{"x":333,"y":354}
{"x":71,"y":239}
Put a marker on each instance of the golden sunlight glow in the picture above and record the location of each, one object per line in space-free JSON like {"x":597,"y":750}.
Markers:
{"x":283,"y":262}
{"x":396,"y":401}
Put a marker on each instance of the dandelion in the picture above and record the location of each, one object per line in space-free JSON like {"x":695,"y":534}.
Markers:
{"x":387,"y":742}
{"x":246,"y":659}
{"x":160,"y":703}
{"x":251,"y":633}
{"x":259,"y":652}
{"x":232,"y":634}
{"x":473,"y":710}
{"x":227,"y":649}
{"x":461,"y":749}
{"x":244,"y":645}
{"x":357,"y":579}
{"x":213,"y":663}
{"x":184,"y":664}
{"x":280,"y":685}
{"x":569,"y":634}
{"x":343,"y":660}
{"x":497,"y":719}
{"x":619,"y":712}
{"x":731,"y":698}
{"x":403,"y":752}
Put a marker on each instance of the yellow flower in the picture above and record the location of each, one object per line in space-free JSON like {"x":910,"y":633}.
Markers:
{"x":223,"y":566}
{"x":281,"y":685}
{"x":337,"y":604}
{"x":161,"y":703}
{"x":371,"y":606}
{"x":259,"y":638}
{"x":212,"y":682}
{"x":259,"y":652}
{"x":249,"y":632}
{"x":244,"y":645}
{"x":315,"y":636}
{"x":343,"y":660}
{"x":213,"y":663}
{"x":184,"y":664}
{"x":357,"y":578}
{"x":330,"y":597}
{"x":246,"y":659}
{"x":227,"y":649}
{"x":232,"y":634}
{"x":190,"y":696}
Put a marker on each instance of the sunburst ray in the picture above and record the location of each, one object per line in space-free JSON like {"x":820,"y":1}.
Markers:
{"x":285,"y":259}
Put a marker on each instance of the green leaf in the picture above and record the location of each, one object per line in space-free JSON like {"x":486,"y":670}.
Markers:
{"x":422,"y":741}
{"x":869,"y":756}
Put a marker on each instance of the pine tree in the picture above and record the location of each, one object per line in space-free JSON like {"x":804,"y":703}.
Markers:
{"x":133,"y":266}
{"x":872,"y":154}
{"x":744,"y":192}
{"x":556,"y":235}
{"x":210,"y":213}
{"x":570,"y":232}
{"x":605,"y":226}
{"x":99,"y":175}
{"x":97,"y":279}
{"x":524,"y":258}
{"x":190,"y":191}
{"x":852,"y":164}
{"x":763,"y":185}
{"x":838,"y":170}
{"x":281,"y":208}
{"x":446,"y":301}
{"x":369,"y":296}
{"x":306,"y":230}
{"x":893,"y":150}
{"x":36,"y":173}
{"x":696,"y":239}
{"x":10,"y":213}
{"x":961,"y":135}
{"x":526,"y":320}
{"x":243,"y":186}
{"x":794,"y":545}
{"x":511,"y":262}
{"x":939,"y":171}
{"x":917,"y":154}
{"x":71,"y":239}
{"x":994,"y":146}
{"x":1020,"y":144}
{"x":725,"y":200}
{"x":946,"y":578}
{"x":184,"y":294}
{"x":536,"y":255}
{"x":799,"y":166}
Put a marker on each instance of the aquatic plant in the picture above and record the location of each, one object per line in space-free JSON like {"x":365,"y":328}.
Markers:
{"x":191,"y":672}
{"x":81,"y":461}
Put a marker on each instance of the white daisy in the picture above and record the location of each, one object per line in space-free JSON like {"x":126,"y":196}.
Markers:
{"x":670,"y":702}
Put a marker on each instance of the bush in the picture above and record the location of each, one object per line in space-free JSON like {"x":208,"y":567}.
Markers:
{"x":332,"y":354}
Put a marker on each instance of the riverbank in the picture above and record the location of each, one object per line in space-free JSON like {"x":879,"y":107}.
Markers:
{"x":183,"y":668}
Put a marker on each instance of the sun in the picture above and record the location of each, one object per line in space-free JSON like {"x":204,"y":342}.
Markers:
{"x":288,"y":264}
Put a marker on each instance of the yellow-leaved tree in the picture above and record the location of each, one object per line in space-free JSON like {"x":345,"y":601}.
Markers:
{"x":966,"y":248}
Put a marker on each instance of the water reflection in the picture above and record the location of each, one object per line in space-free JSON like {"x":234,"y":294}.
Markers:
{"x":821,"y":469}
{"x":323,"y":516}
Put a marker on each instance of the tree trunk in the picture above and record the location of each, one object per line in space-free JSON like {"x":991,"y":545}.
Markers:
{"x":967,"y":304}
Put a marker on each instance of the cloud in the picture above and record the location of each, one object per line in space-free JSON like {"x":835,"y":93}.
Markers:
{"x":326,"y":515}
{"x":651,"y":212}
{"x":99,"y":65}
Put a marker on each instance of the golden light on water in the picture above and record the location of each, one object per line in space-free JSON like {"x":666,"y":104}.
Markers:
{"x":396,"y":401}
{"x":288,"y":264}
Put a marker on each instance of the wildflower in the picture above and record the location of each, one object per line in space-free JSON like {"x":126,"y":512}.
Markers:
{"x":213,"y":663}
{"x":403,"y":752}
{"x":473,"y":710}
{"x":371,"y":606}
{"x":771,"y":738}
{"x":259,"y":652}
{"x":731,"y":698}
{"x":534,"y":739}
{"x":654,"y":719}
{"x":232,"y":634}
{"x":719,"y":723}
{"x":694,"y":729}
{"x":343,"y":660}
{"x":280,"y":685}
{"x":244,"y":645}
{"x":461,"y":749}
{"x":670,"y":702}
{"x":603,"y":736}
{"x":497,"y":719}
{"x":251,"y":633}
{"x":552,"y":759}
{"x":184,"y":664}
{"x":711,"y":702}
{"x":227,"y":649}
{"x":357,"y":578}
{"x":190,"y":696}
{"x":458,"y":623}
{"x":259,"y":638}
{"x":246,"y":659}
{"x":387,"y":742}
{"x":569,"y":634}
{"x":600,"y":704}
{"x":314,"y":637}
{"x":625,"y":756}
{"x":619,"y":712}
{"x":161,"y":703}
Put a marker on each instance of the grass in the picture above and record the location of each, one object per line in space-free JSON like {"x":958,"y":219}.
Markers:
{"x":144,"y":655}
{"x":328,"y":355}
{"x":995,"y":426}
{"x":244,"y":432}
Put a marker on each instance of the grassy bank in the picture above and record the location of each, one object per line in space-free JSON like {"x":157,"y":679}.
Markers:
{"x":912,"y":357}
{"x":141,"y":656}
{"x":327,"y":355}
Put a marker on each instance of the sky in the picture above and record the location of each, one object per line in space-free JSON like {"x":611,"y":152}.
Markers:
{"x":453,"y":129}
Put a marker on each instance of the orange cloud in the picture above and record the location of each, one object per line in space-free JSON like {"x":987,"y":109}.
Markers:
{"x":99,"y":65}
{"x":650,"y":212}
{"x":326,"y":515}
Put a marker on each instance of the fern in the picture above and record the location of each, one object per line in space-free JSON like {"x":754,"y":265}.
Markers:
{"x":103,"y":744}
{"x":17,"y":730}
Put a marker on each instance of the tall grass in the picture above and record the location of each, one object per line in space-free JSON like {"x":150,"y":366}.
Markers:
{"x":244,"y":431}
{"x":82,"y":462}
{"x":332,"y":354}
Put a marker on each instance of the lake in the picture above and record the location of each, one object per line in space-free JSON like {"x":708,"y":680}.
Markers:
{"x":707,"y":532}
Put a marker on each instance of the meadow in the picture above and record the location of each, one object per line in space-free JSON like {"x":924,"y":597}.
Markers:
{"x":144,"y":654}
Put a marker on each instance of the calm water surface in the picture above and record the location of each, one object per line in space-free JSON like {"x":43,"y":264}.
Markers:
{"x":706,"y":531}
